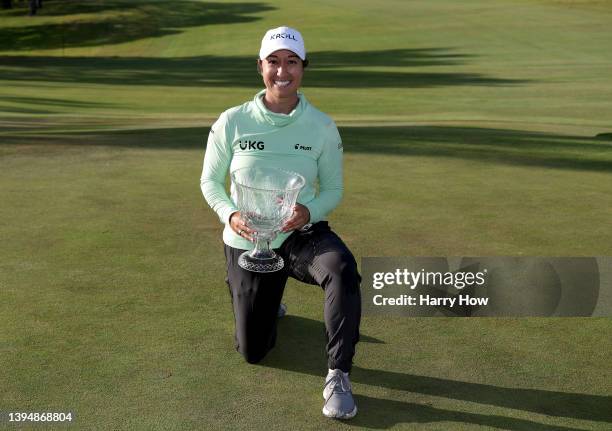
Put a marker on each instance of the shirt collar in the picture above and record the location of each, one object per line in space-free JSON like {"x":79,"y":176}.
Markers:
{"x":278,"y":119}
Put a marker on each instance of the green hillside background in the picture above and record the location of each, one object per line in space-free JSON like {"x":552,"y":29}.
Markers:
{"x":470,"y":128}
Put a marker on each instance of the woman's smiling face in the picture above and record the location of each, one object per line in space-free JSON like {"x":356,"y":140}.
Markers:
{"x":282,"y":73}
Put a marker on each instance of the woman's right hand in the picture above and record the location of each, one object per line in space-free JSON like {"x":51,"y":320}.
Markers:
{"x":239,"y":226}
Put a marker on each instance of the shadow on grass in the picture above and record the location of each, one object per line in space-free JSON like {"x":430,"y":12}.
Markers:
{"x":509,"y":147}
{"x":382,"y":414}
{"x":328,"y":69}
{"x":113,"y":22}
{"x":39,"y":103}
{"x":117,"y":21}
{"x":71,"y":7}
{"x":300,"y":348}
{"x":513,"y":147}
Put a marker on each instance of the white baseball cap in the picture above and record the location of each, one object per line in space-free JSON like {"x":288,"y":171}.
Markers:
{"x":282,"y":38}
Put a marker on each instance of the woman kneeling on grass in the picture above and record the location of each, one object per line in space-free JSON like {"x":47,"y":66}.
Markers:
{"x":288,"y":133}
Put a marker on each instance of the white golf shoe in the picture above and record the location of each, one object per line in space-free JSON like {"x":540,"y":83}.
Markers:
{"x":338,"y":396}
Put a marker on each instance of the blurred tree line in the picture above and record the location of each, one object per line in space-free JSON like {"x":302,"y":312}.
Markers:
{"x":33,"y":5}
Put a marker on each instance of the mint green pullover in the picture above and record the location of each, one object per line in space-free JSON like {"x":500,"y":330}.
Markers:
{"x":305,"y":141}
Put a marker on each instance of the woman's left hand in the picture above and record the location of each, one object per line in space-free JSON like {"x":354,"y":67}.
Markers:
{"x":298,"y":219}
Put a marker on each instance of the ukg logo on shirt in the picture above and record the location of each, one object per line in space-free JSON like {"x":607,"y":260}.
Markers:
{"x":251,"y":145}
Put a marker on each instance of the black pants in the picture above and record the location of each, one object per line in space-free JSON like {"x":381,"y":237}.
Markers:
{"x":318,"y":257}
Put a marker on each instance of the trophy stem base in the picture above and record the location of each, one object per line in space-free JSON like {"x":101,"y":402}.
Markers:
{"x":261,"y":259}
{"x":260,"y":265}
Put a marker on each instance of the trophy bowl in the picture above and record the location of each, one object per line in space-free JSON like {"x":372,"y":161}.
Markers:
{"x":265,"y":198}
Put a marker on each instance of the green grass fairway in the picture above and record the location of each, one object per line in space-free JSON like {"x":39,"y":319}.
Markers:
{"x":479,"y":128}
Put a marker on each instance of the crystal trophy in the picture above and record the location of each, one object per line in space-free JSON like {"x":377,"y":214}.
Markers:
{"x":265,"y":199}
